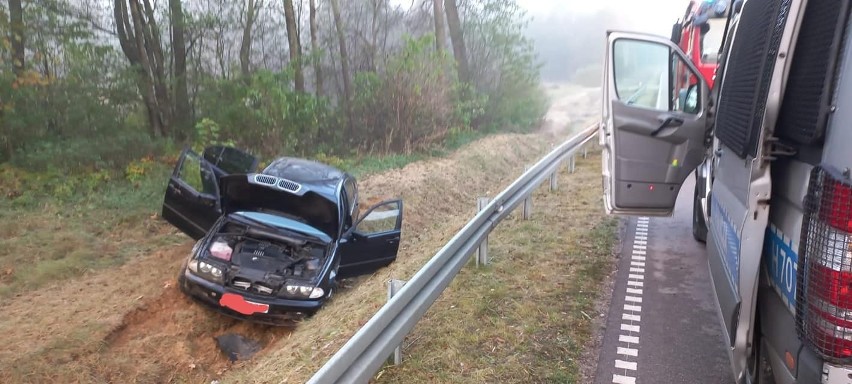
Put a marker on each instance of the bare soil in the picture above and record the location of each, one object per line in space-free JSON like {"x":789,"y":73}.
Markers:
{"x":131,"y":323}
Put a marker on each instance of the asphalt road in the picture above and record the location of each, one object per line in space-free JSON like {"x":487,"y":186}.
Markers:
{"x":662,"y":325}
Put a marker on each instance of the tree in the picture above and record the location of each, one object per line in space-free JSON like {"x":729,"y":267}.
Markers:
{"x":245,"y":44}
{"x":139,"y":38}
{"x":344,"y":64}
{"x":315,"y":47}
{"x":456,"y":35}
{"x":294,"y":45}
{"x":16,"y":19}
{"x":440,"y":31}
{"x":181,"y":93}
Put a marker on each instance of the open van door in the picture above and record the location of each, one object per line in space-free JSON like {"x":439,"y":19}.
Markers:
{"x":653,"y":123}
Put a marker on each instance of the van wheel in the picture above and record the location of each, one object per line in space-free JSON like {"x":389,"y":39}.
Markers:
{"x":699,"y":226}
{"x":758,"y":370}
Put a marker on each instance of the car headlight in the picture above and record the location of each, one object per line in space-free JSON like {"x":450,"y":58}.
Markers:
{"x":205,"y":270}
{"x":297,"y":290}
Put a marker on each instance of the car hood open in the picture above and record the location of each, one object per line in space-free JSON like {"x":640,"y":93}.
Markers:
{"x":246,"y":193}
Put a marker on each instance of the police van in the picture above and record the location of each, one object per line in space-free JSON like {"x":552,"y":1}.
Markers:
{"x":771,"y":150}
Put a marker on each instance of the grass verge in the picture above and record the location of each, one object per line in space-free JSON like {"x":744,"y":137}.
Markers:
{"x":527,"y":316}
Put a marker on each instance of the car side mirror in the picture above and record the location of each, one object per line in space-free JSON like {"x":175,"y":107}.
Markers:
{"x":691,"y":102}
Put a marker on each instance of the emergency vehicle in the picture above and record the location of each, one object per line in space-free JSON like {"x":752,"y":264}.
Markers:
{"x":771,"y":149}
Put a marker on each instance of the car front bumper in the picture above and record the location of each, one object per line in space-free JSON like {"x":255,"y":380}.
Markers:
{"x":282,"y":312}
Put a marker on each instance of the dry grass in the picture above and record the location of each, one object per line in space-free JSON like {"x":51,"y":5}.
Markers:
{"x":527,"y":317}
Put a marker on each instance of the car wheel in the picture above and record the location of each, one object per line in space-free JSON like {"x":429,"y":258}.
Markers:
{"x":699,"y":225}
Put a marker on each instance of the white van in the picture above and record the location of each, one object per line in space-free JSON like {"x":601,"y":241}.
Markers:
{"x":771,"y":148}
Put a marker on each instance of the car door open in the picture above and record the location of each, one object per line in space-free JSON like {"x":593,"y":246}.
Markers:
{"x":374,"y":240}
{"x":653,"y":123}
{"x":191,"y":202}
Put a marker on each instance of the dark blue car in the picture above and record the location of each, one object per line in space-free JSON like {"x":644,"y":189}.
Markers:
{"x":273,"y":244}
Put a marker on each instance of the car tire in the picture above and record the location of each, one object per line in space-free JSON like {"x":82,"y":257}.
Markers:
{"x":699,"y":225}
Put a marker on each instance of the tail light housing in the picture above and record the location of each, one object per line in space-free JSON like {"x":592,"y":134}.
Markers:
{"x":824,"y":299}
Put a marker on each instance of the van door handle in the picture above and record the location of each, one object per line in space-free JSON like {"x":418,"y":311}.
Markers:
{"x":668,"y":122}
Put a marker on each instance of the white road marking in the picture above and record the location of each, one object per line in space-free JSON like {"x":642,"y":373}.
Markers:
{"x":625,"y":365}
{"x":634,"y":291}
{"x":628,"y":339}
{"x":630,"y":316}
{"x":619,"y":379}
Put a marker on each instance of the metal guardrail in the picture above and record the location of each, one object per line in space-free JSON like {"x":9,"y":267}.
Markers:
{"x":365,"y":353}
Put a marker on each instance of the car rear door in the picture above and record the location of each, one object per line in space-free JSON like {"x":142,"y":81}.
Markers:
{"x":751,"y":85}
{"x":191,"y":202}
{"x":653,"y":123}
{"x":374,"y":242}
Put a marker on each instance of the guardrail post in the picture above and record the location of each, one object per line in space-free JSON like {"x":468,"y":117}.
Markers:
{"x":394,"y":286}
{"x":572,"y":163}
{"x":527,"y":201}
{"x":553,"y":184}
{"x":585,"y":150}
{"x":482,"y":252}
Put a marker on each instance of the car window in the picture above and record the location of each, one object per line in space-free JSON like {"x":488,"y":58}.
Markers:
{"x":383,"y":218}
{"x":351,"y":192}
{"x":650,"y":75}
{"x":194,"y":173}
{"x":229,"y":159}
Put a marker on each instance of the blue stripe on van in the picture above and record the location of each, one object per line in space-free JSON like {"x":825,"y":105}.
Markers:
{"x":781,"y":263}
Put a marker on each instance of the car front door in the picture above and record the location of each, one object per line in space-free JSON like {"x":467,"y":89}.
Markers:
{"x":229,"y":160}
{"x":374,"y":240}
{"x":653,"y":123}
{"x":191,"y":202}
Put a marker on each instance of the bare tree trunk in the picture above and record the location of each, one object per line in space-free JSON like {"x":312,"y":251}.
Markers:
{"x":182,"y":112}
{"x":440,"y":30}
{"x":16,"y":19}
{"x":456,"y":35}
{"x":137,"y":43}
{"x":295,"y":46}
{"x":245,"y":45}
{"x":315,"y":48}
{"x":344,"y":64}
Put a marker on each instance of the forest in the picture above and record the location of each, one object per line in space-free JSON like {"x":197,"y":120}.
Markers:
{"x":104,"y":87}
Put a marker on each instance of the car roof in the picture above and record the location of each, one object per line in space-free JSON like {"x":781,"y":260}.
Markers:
{"x":315,"y":176}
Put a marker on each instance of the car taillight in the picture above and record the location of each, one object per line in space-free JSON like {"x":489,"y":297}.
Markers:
{"x":824,"y":300}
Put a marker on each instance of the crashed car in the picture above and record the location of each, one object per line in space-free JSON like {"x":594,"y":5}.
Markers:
{"x":272,"y":245}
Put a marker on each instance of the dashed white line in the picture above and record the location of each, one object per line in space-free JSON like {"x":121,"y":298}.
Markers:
{"x":619,"y":379}
{"x":634,"y":308}
{"x":628,"y":339}
{"x":625,"y":365}
{"x":631,"y":314}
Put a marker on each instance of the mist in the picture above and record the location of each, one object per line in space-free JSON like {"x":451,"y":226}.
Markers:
{"x":570,"y":35}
